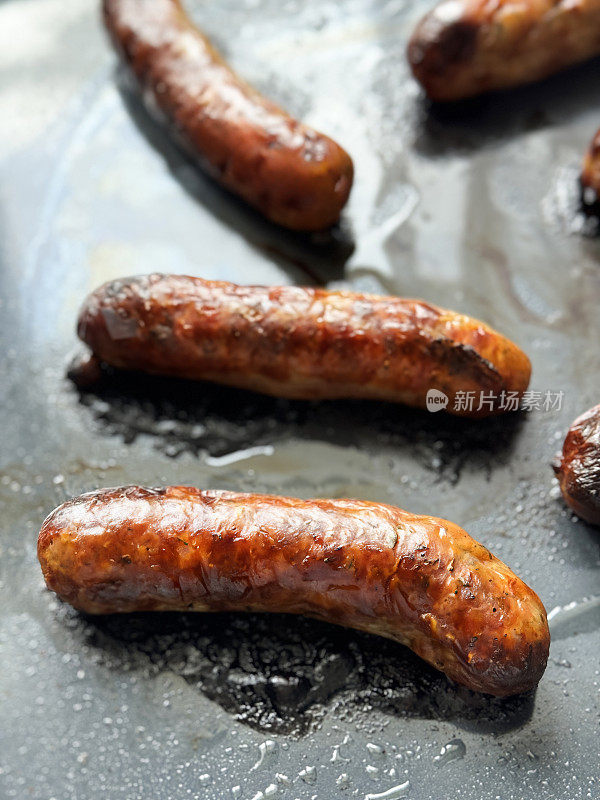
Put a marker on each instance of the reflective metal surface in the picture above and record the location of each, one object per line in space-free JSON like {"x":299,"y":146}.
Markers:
{"x":473,"y":208}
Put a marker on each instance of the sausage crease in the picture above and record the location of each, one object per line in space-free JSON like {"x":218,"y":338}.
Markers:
{"x":421,"y":581}
{"x":466,"y":47}
{"x":578,"y":466}
{"x":590,"y":176}
{"x":299,"y":342}
{"x":294,"y":175}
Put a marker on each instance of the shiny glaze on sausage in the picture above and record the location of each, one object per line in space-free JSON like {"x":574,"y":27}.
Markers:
{"x":467,"y":47}
{"x":294,"y":175}
{"x":297,"y":342}
{"x":578,"y":466}
{"x":419,"y":580}
{"x":590,"y":177}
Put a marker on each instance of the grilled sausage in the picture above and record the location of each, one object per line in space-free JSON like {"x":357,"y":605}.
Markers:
{"x":466,"y":47}
{"x":298,"y":342}
{"x":294,"y":175}
{"x":578,"y":467}
{"x":590,"y":177}
{"x":419,"y":580}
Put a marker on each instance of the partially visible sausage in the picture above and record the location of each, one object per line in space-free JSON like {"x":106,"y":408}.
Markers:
{"x":419,"y":580}
{"x":578,"y":466}
{"x":590,"y":176}
{"x":467,"y":47}
{"x":294,"y":175}
{"x":301,"y":343}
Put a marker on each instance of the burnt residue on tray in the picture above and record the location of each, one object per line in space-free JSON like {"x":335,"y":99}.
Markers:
{"x":281,"y":674}
{"x":194,"y":417}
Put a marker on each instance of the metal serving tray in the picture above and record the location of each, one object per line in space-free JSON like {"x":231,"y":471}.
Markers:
{"x":473,"y":208}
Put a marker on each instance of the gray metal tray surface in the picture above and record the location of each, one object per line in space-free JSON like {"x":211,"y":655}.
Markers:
{"x":473,"y":208}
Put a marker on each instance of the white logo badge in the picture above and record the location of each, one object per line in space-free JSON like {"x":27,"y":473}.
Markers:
{"x":436,"y":400}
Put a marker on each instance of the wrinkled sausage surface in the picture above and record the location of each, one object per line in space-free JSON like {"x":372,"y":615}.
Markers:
{"x":578,"y":466}
{"x":467,"y":47}
{"x":590,"y":176}
{"x":299,"y":343}
{"x":419,"y":580}
{"x":294,"y":175}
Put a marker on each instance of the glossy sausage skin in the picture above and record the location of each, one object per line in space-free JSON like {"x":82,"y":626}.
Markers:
{"x":419,"y":580}
{"x":294,"y":175}
{"x":467,"y":47}
{"x":297,"y":342}
{"x":590,"y":177}
{"x":578,"y":467}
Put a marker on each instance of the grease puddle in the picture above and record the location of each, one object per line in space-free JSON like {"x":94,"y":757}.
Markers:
{"x":579,"y":616}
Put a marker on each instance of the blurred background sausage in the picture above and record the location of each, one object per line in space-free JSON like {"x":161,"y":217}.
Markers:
{"x":590,"y":176}
{"x":294,"y":175}
{"x":467,"y":47}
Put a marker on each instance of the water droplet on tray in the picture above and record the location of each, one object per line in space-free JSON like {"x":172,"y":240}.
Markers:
{"x":453,"y":751}
{"x":395,"y":793}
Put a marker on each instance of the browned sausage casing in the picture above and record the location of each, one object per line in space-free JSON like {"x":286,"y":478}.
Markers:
{"x":294,"y":175}
{"x":298,"y":342}
{"x":578,"y":467}
{"x":590,"y":176}
{"x":419,"y":580}
{"x":466,"y":47}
